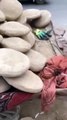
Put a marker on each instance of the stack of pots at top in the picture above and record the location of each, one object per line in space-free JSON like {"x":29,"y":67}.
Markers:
{"x":19,"y":62}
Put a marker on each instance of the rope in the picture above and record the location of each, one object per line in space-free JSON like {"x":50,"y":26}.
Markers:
{"x":52,"y":44}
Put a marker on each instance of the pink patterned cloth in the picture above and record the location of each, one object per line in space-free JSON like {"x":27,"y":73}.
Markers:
{"x":53,"y":76}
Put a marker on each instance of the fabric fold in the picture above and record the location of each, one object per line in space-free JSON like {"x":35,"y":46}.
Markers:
{"x":53,"y":77}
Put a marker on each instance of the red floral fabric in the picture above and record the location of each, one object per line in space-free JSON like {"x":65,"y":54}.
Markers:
{"x":9,"y":100}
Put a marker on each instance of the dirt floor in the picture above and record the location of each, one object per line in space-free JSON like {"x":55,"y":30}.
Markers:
{"x":58,"y":111}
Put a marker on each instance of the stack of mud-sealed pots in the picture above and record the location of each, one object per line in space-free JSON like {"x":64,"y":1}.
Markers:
{"x":20,"y":55}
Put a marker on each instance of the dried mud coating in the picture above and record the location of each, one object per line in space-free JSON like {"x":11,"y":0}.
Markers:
{"x":13,"y":63}
{"x":28,"y":82}
{"x":11,"y":8}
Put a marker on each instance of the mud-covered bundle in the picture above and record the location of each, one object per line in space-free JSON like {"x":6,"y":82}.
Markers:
{"x":19,"y":60}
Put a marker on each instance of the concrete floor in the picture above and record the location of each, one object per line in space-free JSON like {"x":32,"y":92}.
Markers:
{"x":58,"y":8}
